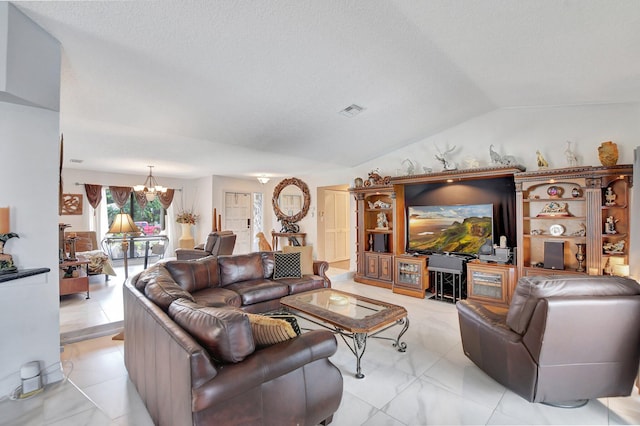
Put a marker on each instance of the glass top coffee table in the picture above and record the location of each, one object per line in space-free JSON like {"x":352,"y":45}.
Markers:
{"x":351,"y":316}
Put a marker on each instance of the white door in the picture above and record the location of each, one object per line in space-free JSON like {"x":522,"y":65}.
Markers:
{"x":336,"y":225}
{"x":237,"y":218}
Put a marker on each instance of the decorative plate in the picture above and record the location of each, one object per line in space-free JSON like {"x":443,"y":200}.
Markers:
{"x":556,"y":230}
{"x":554,"y":191}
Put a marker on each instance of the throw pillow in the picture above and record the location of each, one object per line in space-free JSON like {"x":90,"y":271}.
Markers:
{"x":269,"y":331}
{"x":306,"y":257}
{"x":286,"y":265}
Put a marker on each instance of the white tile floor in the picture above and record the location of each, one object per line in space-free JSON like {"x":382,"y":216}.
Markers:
{"x":432,"y":383}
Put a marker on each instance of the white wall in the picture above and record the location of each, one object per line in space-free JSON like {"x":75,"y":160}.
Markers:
{"x":29,"y":137}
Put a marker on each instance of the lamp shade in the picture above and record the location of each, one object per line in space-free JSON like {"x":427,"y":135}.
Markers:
{"x":123,"y":224}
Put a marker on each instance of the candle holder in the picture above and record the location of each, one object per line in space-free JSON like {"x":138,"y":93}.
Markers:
{"x":581,"y":256}
{"x":6,"y":260}
{"x":72,"y":248}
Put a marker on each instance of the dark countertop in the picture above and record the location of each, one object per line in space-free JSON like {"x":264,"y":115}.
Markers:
{"x":22,"y":274}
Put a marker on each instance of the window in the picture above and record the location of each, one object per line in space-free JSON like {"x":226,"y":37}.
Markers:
{"x":150,"y":220}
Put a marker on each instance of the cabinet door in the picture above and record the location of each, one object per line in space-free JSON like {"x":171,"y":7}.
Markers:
{"x":386,"y":268}
{"x":371,"y":265}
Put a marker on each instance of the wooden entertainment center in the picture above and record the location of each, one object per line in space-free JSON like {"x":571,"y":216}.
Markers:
{"x":563,"y":211}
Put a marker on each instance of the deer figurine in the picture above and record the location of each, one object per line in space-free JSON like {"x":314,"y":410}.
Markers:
{"x":443,"y":157}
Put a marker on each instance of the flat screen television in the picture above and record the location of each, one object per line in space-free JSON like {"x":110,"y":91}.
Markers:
{"x":460,"y":229}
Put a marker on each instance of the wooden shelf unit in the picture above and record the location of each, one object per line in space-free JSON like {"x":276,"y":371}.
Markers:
{"x":375,"y":267}
{"x":585,"y":222}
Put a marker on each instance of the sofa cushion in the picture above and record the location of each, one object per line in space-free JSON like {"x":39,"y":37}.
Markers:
{"x":141,"y":280}
{"x":306,"y":257}
{"x":255,"y":291}
{"x":194,"y":275}
{"x":217,"y":296}
{"x":267,"y":263}
{"x":237,"y":268}
{"x":530,"y":289}
{"x":306,"y":283}
{"x":225,"y":332}
{"x":269,"y":331}
{"x":163,"y":290}
{"x":287,"y":265}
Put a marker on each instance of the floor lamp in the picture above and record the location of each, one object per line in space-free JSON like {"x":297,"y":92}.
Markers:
{"x":123,"y":224}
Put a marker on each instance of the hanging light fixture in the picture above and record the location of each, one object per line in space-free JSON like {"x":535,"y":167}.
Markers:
{"x":150,"y":187}
{"x":263,"y":179}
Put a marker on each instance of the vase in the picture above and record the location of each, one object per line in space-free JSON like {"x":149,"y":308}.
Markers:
{"x":186,"y":239}
{"x":608,"y":153}
{"x":581,"y":255}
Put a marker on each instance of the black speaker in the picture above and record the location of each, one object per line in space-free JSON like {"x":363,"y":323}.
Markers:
{"x":380,"y":243}
{"x":554,"y":254}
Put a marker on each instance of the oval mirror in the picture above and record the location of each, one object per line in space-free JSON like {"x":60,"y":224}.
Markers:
{"x":291,"y":200}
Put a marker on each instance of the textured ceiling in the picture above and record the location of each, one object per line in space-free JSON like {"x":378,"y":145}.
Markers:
{"x":242,"y":88}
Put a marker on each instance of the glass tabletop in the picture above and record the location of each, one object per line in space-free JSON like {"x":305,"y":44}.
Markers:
{"x":345,"y":310}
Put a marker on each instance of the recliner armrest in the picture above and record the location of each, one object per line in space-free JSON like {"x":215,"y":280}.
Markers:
{"x":188,"y":254}
{"x":479,"y":315}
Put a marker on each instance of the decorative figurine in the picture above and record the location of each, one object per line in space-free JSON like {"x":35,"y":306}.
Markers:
{"x":443,"y":157}
{"x":610,"y":226}
{"x":572,"y":159}
{"x":6,"y":260}
{"x":542,"y":163}
{"x":382,"y":222}
{"x":554,"y":209}
{"x":505,"y":160}
{"x":614,"y":248}
{"x":410,"y":166}
{"x":376,"y":179}
{"x":610,"y":197}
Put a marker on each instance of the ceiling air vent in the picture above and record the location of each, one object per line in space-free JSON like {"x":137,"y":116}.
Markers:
{"x":352,"y":110}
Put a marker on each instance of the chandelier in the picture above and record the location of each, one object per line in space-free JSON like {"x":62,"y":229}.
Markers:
{"x":150,"y":187}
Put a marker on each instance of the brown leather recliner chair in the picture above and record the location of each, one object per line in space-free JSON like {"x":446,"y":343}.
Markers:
{"x":218,"y":244}
{"x":564,"y":340}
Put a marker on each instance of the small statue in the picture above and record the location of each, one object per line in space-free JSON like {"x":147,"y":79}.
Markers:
{"x":610,"y":197}
{"x":542,"y":163}
{"x":610,"y":227}
{"x":443,"y":157}
{"x":382,"y":222}
{"x":505,"y":160}
{"x":411,"y":167}
{"x":6,"y":260}
{"x":555,"y":209}
{"x":614,"y":248}
{"x":570,"y":155}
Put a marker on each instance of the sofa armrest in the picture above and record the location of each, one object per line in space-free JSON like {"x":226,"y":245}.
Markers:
{"x":264,"y":365}
{"x":320,"y":267}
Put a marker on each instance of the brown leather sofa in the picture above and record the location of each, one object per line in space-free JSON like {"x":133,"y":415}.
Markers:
{"x":564,"y":340}
{"x":190,"y":353}
{"x":218,"y":244}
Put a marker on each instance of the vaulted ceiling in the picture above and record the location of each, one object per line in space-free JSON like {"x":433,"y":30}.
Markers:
{"x":242,"y":88}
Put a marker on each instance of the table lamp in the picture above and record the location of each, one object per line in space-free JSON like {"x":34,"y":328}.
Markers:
{"x":123,"y":224}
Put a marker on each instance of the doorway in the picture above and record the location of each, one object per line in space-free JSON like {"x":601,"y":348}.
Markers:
{"x":237,"y":218}
{"x":333,"y":225}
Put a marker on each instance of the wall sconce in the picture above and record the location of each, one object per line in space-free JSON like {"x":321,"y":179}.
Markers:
{"x":263,"y":179}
